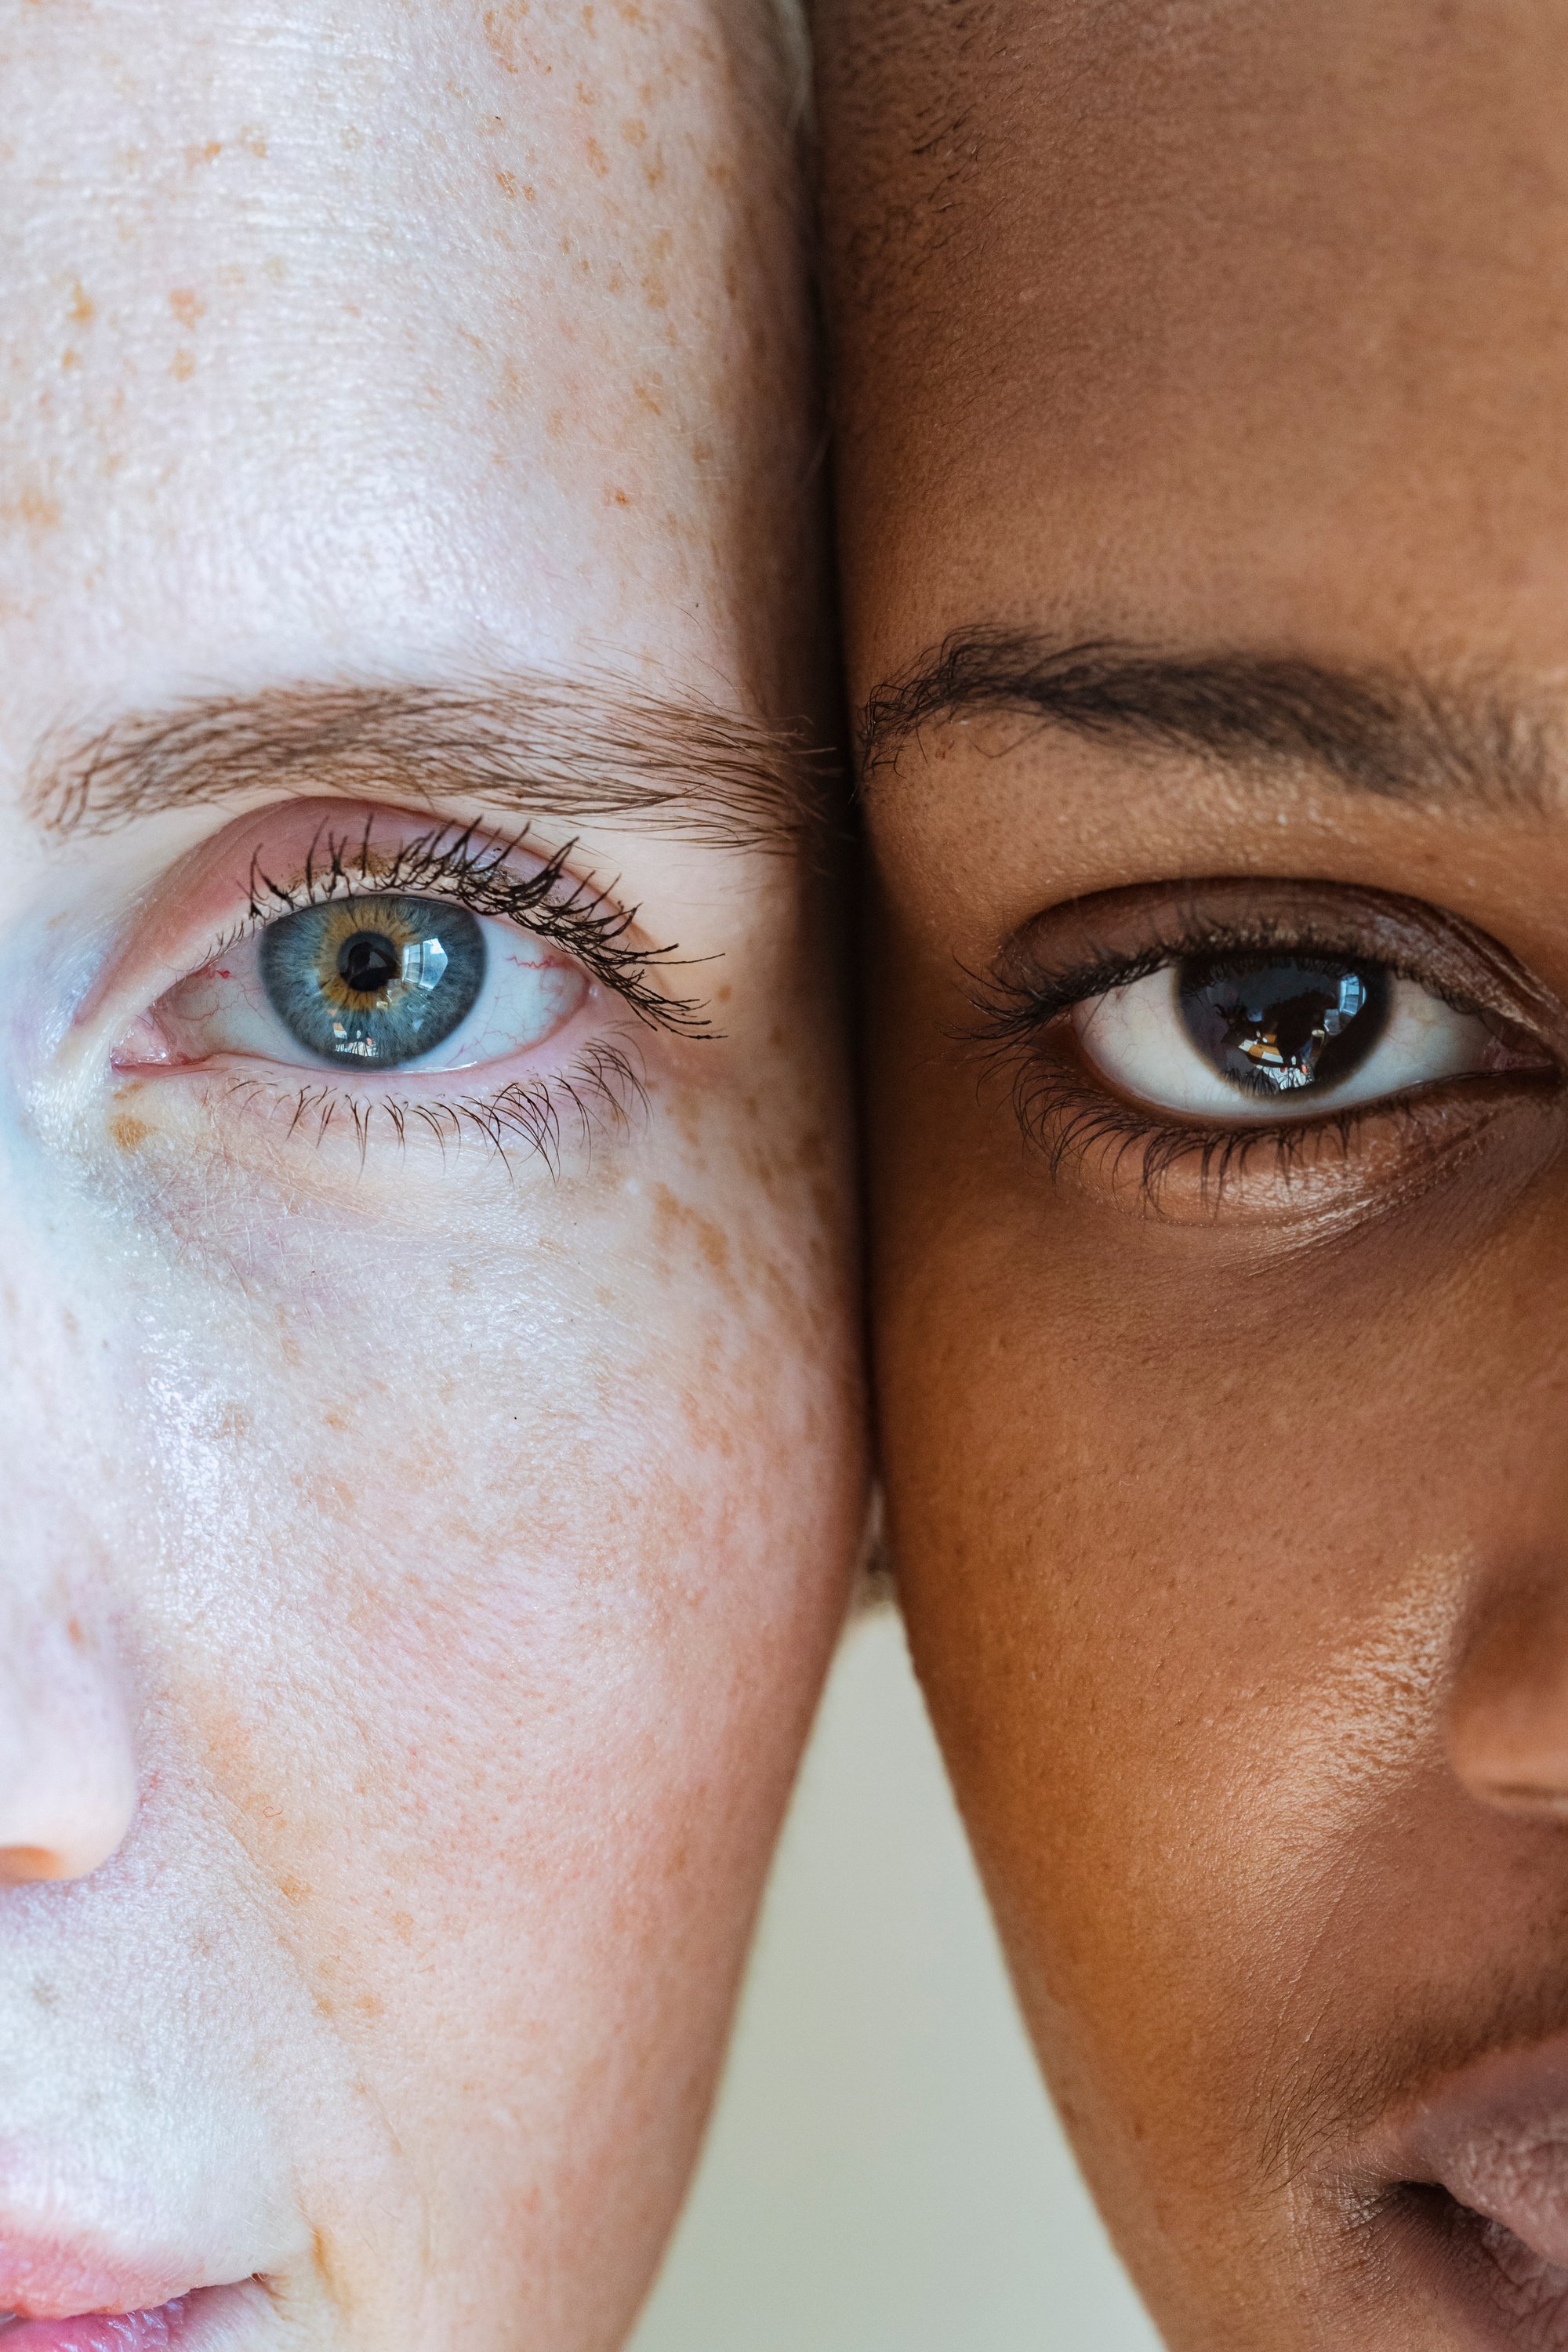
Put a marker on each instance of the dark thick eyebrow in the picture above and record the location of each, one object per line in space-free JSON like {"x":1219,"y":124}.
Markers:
{"x":579,"y":748}
{"x":1401,"y":736}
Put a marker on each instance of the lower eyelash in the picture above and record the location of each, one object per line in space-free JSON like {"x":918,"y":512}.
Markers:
{"x":1066,"y":1119}
{"x":600,"y":1088}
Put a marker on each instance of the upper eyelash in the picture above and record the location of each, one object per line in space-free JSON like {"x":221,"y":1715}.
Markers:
{"x":458,"y":862}
{"x":1010,"y":1009}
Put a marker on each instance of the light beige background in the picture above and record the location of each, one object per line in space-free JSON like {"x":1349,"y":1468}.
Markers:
{"x":884,"y":2173}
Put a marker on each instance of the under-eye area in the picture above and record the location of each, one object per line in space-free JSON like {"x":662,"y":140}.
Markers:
{"x":1201,"y":1035}
{"x":390,"y":982}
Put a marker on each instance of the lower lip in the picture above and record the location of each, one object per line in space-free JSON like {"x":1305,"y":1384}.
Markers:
{"x":195,"y":2323}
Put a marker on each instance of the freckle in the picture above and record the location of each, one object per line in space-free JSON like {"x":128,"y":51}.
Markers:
{"x":129,"y":1133}
{"x":69,"y":359}
{"x":183,"y":367}
{"x":555,"y":427}
{"x":370,"y":2004}
{"x":614,"y":498}
{"x":528,"y":193}
{"x":207,"y":155}
{"x":634,"y":132}
{"x":81,"y":309}
{"x":45,"y":1994}
{"x":254,"y":142}
{"x":403,"y":1926}
{"x":293,"y":1890}
{"x":640,"y":392}
{"x":275,"y":268}
{"x":597,"y":160}
{"x":34,"y":508}
{"x":507,"y":182}
{"x":186,"y":305}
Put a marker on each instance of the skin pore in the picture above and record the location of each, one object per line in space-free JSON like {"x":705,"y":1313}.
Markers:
{"x":431,"y":1477}
{"x":1203,"y":505}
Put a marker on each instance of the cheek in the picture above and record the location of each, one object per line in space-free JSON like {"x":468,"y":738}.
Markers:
{"x":452,"y":1587}
{"x":1185,"y":1538}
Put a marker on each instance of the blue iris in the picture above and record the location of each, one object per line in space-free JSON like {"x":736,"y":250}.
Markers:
{"x":376,"y":979}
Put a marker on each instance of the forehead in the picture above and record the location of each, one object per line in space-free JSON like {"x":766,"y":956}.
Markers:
{"x":333,"y":324}
{"x":1166,"y":318}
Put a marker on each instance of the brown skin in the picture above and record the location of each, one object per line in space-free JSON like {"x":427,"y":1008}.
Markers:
{"x":1228,"y":1517}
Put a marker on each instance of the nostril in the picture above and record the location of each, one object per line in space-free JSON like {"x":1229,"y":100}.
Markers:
{"x":68,"y":1768}
{"x":1507,"y":1708}
{"x":21,"y":1864}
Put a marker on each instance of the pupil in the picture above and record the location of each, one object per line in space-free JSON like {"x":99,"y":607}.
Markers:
{"x":1273,"y":1025}
{"x":369,"y":963}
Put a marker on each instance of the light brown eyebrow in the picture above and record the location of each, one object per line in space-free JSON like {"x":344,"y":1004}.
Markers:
{"x":529,"y":743}
{"x":1398,"y":735}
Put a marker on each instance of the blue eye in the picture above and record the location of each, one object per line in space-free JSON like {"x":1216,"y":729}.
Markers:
{"x":380,"y":981}
{"x":375,"y":980}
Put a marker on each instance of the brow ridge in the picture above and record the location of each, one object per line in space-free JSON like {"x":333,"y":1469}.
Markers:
{"x":588,"y":746}
{"x":1395,"y":734}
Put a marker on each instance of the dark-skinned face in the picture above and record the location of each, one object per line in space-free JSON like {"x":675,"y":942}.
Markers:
{"x":1204,"y":483}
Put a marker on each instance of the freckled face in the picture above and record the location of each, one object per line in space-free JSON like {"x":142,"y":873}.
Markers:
{"x":430,"y":1432}
{"x":1204,"y":518}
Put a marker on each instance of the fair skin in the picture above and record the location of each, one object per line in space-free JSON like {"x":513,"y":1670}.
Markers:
{"x":431,"y":1479}
{"x":1205,"y":520}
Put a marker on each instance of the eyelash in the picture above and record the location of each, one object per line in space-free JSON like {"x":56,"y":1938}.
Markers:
{"x":446,"y":862}
{"x":457,"y":862}
{"x":1065,"y":1115}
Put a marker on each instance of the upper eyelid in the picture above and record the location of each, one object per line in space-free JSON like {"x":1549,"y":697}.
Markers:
{"x":1442,"y":953}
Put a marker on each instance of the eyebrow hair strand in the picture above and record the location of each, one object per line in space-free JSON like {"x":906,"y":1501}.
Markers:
{"x":1396,"y":735}
{"x":581,"y":747}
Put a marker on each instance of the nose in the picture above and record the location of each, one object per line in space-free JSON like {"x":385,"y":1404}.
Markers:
{"x":68,"y":1768}
{"x":1508,"y":1714}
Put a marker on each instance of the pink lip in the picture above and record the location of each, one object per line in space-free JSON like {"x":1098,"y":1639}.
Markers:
{"x":180,"y":2322}
{"x":1497,"y":2139}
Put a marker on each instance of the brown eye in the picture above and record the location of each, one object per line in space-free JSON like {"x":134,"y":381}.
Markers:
{"x":1230,"y":1038}
{"x":1273,"y":1026}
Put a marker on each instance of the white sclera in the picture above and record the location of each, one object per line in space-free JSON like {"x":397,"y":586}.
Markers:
{"x":224,"y":1010}
{"x":1135,"y":1038}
